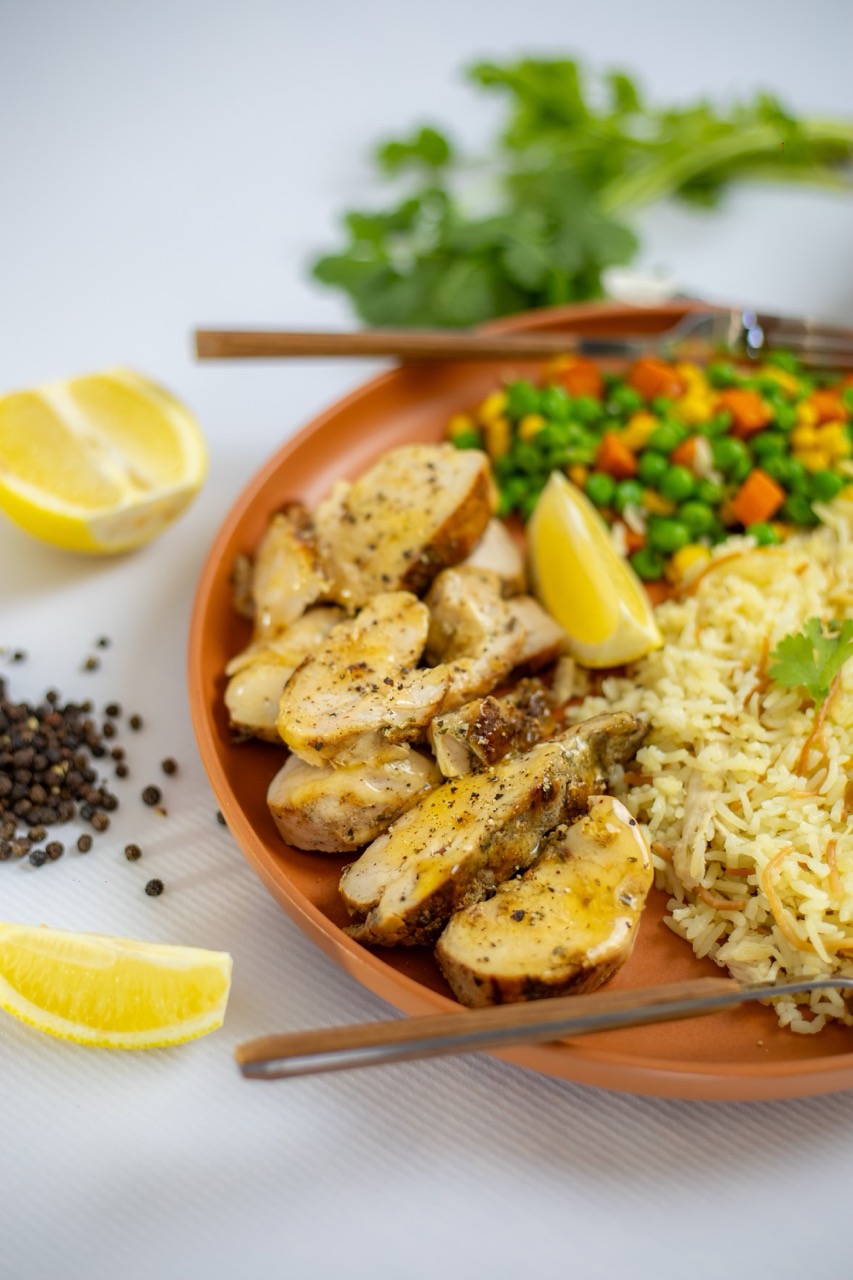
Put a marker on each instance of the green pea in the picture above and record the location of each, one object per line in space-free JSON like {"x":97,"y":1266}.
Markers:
{"x":586,"y":409}
{"x":784,"y":360}
{"x":467,"y":440}
{"x":552,"y":436}
{"x":554,"y":403}
{"x":527,"y":456}
{"x":600,"y":488}
{"x":628,"y":493}
{"x":678,"y":483}
{"x":521,"y":398}
{"x":798,"y":477}
{"x":661,"y":405}
{"x":741,"y":469}
{"x":667,"y":436}
{"x":798,"y":509}
{"x":667,"y":535}
{"x":625,"y":399}
{"x":785,"y":416}
{"x":847,"y":399}
{"x":766,"y":443}
{"x":698,"y":517}
{"x":826,"y":485}
{"x":765,"y":535}
{"x":647,"y":564}
{"x":652,"y":467}
{"x":722,"y":375}
{"x":710,"y":492}
{"x":727,"y":452}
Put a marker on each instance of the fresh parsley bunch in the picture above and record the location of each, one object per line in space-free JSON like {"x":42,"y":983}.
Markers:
{"x":538,"y":219}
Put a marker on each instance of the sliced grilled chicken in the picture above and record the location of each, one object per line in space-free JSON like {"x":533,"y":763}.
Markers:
{"x":473,"y":631}
{"x":419,"y":508}
{"x":259,"y":673}
{"x":339,"y":810}
{"x":499,"y":552}
{"x":567,"y":925}
{"x":361,"y":682}
{"x":468,"y":835}
{"x":485,"y":730}
{"x":543,"y":637}
{"x":288,"y":574}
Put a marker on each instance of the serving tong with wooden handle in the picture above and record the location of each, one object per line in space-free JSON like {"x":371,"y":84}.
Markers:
{"x":698,"y":335}
{"x":300,"y":1053}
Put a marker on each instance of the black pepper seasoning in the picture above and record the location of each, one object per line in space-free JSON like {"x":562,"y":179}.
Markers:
{"x":151,"y":795}
{"x":154,"y":888}
{"x":132,"y":852}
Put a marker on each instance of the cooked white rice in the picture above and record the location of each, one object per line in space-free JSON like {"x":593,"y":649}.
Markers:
{"x":754,"y":843}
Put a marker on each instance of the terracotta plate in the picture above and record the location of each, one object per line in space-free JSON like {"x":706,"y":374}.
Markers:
{"x":741,"y":1054}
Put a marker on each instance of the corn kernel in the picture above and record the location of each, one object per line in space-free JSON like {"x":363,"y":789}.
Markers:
{"x":637,"y":430}
{"x":530,"y":425}
{"x":492,"y":407}
{"x":578,"y":474}
{"x":460,"y":424}
{"x":846,"y":494}
{"x":656,"y":504}
{"x":806,"y":414}
{"x":691,"y":375}
{"x":555,"y":367}
{"x":688,"y":558}
{"x":498,"y":433}
{"x":804,"y":436}
{"x":694,"y":407}
{"x":833,"y":438}
{"x":813,"y":459}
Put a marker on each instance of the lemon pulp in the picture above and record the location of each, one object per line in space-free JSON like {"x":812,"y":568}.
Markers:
{"x":101,"y":463}
{"x":115,"y":992}
{"x":583,"y":582}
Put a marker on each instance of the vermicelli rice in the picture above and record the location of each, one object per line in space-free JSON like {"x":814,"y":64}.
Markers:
{"x":750,"y":827}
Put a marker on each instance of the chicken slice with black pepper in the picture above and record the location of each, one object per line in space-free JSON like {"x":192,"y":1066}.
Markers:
{"x":464,"y":838}
{"x":473,"y":631}
{"x":363,"y":684}
{"x":339,"y":810}
{"x":567,"y":925}
{"x":419,"y":508}
{"x":485,"y":730}
{"x":288,"y":573}
{"x":258,"y":674}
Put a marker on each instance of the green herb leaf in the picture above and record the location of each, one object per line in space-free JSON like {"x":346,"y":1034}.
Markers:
{"x":811,"y":659}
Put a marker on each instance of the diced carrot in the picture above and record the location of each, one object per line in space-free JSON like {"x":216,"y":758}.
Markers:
{"x":829,"y":406}
{"x":634,"y":541}
{"x":658,"y":591}
{"x":758,"y":498}
{"x":748,"y":410}
{"x":652,"y":377}
{"x":581,"y":377}
{"x":614,"y":457}
{"x":684,"y":455}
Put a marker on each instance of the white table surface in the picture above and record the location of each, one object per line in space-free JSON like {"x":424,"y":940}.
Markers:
{"x":166,"y":165}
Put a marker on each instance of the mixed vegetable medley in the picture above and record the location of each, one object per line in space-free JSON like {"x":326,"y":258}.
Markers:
{"x":675,"y":456}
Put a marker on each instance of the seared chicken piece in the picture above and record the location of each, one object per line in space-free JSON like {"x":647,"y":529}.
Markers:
{"x":260,"y":672}
{"x":361,"y":681}
{"x":465,"y":837}
{"x":485,"y":730}
{"x":473,"y":631}
{"x":339,"y":810}
{"x":499,"y":552}
{"x":543,"y":637}
{"x":288,"y":574}
{"x":567,"y":925}
{"x":419,"y":508}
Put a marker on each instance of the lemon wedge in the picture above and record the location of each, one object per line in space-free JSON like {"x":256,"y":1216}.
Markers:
{"x":113,"y":992}
{"x":101,"y":463}
{"x":583,"y":582}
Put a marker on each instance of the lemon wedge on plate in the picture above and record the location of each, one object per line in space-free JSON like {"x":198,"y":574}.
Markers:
{"x":583,"y":582}
{"x":113,"y":992}
{"x":101,"y":463}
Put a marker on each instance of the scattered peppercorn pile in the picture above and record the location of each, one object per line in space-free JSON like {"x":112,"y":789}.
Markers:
{"x":48,"y":774}
{"x":675,"y":456}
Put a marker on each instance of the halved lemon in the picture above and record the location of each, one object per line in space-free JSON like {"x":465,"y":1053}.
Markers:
{"x":112,"y":992}
{"x":101,"y":463}
{"x":583,"y":582}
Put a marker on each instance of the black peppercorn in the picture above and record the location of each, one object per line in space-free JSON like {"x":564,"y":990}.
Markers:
{"x":154,"y":888}
{"x":132,"y":852}
{"x":151,"y":795}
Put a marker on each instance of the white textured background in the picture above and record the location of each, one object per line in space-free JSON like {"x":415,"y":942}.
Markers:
{"x":165,"y":165}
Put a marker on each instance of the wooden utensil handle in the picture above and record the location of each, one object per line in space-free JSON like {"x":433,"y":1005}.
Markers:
{"x":406,"y":344}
